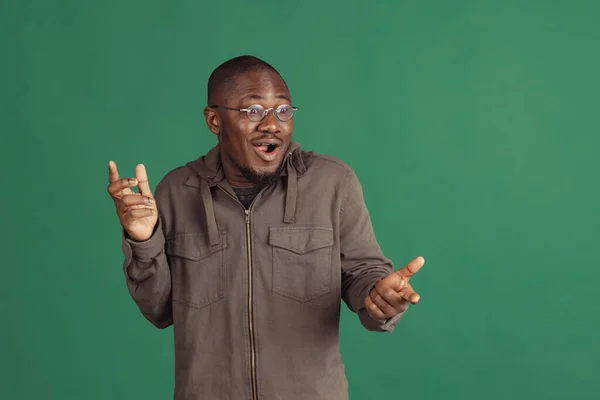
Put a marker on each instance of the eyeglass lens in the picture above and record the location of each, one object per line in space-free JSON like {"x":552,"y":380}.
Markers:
{"x":257,"y":112}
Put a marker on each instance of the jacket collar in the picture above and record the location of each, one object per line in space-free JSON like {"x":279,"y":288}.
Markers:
{"x":209,"y":166}
{"x":209,"y":173}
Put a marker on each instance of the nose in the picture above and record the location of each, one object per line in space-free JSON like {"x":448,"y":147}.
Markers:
{"x":269,"y":124}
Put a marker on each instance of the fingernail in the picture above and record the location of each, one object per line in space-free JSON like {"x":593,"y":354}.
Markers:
{"x":151,"y":201}
{"x":132,"y":181}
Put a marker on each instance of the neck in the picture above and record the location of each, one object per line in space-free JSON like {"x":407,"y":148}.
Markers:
{"x":235,"y":177}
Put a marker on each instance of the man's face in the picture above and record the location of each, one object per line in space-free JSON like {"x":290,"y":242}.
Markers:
{"x":251,"y":151}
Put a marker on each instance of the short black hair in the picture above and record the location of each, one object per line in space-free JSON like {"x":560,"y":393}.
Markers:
{"x":226,"y":72}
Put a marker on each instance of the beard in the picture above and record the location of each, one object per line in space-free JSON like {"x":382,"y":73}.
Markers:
{"x":258,"y":178}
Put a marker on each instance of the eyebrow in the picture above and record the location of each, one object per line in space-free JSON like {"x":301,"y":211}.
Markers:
{"x":259,"y":97}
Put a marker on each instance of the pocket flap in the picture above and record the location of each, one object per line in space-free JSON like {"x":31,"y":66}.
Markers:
{"x":301,"y":240}
{"x":194,"y":246}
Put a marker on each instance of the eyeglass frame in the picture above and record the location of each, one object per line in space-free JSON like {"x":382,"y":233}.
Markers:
{"x":246,"y":110}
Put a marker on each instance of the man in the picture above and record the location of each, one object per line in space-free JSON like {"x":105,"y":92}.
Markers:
{"x":249,"y":250}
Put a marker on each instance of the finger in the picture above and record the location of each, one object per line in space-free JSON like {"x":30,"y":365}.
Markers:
{"x":388,"y":294}
{"x":122,"y":185}
{"x":411,"y":268}
{"x":137,"y":213}
{"x":123,"y":210}
{"x":113,"y":173}
{"x":136,"y":199}
{"x":395,"y":281}
{"x":409,"y":294}
{"x":142,"y":177}
{"x":387,"y":309}
{"x":403,"y":306}
{"x":373,"y":310}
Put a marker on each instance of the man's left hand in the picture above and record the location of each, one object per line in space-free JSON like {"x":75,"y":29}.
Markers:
{"x":392,"y":295}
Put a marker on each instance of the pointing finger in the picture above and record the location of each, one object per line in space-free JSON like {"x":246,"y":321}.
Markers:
{"x":409,"y":294}
{"x":142,"y":177}
{"x":411,"y":268}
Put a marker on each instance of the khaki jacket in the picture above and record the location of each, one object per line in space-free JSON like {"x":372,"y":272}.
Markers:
{"x":254,"y":296}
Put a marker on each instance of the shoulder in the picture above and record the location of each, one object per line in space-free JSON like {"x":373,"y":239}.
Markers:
{"x":174,"y":178}
{"x":332,"y":172}
{"x":176,"y":175}
{"x":326,"y":165}
{"x":328,"y":170}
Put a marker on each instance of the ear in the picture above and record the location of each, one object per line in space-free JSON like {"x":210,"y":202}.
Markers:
{"x":212,"y":120}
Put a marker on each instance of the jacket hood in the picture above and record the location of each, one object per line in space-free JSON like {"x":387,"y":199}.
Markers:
{"x":209,"y":173}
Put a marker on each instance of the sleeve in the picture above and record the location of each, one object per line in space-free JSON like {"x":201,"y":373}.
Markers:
{"x":148,"y":275}
{"x":363,"y":262}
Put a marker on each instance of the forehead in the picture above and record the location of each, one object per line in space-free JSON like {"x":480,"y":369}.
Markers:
{"x":262,"y":84}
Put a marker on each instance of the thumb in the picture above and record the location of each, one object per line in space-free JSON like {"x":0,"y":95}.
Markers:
{"x":411,"y":268}
{"x":142,"y":178}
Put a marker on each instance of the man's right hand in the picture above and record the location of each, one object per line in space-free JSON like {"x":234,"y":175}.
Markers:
{"x":137,"y":211}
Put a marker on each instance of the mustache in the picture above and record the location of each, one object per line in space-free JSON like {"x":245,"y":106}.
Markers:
{"x":267,"y":136}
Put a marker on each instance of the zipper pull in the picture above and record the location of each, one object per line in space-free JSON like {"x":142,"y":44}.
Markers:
{"x":247,"y":216}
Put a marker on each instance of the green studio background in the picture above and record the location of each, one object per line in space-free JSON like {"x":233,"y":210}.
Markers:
{"x":472,"y":125}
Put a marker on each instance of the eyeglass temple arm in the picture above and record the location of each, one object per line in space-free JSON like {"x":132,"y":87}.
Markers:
{"x":227,"y":108}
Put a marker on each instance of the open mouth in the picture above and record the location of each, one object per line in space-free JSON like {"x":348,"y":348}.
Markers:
{"x":266,"y":151}
{"x":266,"y":147}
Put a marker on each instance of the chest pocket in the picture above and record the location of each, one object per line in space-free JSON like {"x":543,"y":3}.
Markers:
{"x":301,"y":262}
{"x":198,"y":270}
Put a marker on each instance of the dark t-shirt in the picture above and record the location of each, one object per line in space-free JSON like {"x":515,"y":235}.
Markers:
{"x":247,"y":194}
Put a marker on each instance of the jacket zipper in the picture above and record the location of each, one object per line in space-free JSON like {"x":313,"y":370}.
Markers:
{"x":250,"y":297}
{"x":250,"y":290}
{"x":251,"y":310}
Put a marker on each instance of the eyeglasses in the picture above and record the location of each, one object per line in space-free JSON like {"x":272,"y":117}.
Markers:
{"x":256,"y":112}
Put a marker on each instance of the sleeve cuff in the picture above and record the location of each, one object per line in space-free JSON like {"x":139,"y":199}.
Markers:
{"x":147,"y":249}
{"x":390,"y":323}
{"x":379,"y":325}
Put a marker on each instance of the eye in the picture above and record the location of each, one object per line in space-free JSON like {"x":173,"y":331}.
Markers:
{"x":254,"y":110}
{"x":283,"y":110}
